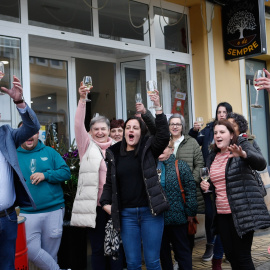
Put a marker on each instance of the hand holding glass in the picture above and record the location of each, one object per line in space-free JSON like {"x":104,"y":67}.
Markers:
{"x":204,"y":172}
{"x":258,"y":74}
{"x":2,"y":74}
{"x":87,"y":81}
{"x":200,"y":122}
{"x":151,"y":86}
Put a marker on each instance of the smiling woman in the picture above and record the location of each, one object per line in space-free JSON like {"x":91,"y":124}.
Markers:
{"x":86,"y":210}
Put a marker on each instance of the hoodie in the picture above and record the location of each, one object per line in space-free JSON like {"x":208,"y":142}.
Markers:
{"x":48,"y":194}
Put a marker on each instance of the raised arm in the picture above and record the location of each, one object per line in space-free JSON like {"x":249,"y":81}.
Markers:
{"x":81,"y":134}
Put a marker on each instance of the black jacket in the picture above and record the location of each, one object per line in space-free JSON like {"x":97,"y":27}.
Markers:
{"x":150,"y":149}
{"x":247,"y":205}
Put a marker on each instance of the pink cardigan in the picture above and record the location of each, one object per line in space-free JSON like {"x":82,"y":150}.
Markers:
{"x":83,"y":141}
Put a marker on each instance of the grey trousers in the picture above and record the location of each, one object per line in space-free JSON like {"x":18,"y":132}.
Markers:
{"x":43,"y":235}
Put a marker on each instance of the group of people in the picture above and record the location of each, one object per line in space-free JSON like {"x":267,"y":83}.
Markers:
{"x":144,"y":175}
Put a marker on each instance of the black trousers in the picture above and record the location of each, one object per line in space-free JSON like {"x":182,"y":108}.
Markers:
{"x":177,"y":235}
{"x":237,"y":250}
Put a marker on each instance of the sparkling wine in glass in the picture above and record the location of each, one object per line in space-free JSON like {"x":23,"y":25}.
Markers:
{"x":87,"y":81}
{"x":258,"y":74}
{"x":204,"y":172}
{"x":150,"y":88}
{"x":33,"y":165}
{"x":2,"y":74}
{"x":200,"y":122}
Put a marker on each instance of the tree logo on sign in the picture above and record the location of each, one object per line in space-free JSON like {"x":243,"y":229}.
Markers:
{"x":240,"y":21}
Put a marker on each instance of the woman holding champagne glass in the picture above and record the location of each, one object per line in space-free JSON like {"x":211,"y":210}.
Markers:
{"x":132,"y":194}
{"x":87,"y":211}
{"x":214,"y":250}
{"x":239,"y":205}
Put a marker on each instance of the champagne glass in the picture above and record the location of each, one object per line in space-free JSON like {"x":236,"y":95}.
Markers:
{"x":138,"y":98}
{"x":200,"y":122}
{"x":204,"y":172}
{"x":150,"y":88}
{"x":2,"y":74}
{"x":87,"y":81}
{"x":258,"y":74}
{"x":33,"y":165}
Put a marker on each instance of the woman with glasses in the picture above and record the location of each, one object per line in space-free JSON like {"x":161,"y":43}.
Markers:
{"x":187,"y":149}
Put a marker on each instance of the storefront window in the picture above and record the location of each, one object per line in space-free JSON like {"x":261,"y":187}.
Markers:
{"x":66,"y":15}
{"x":173,"y":85}
{"x":134,"y":82}
{"x":171,"y":30}
{"x":10,"y":55}
{"x":10,"y":10}
{"x":49,"y":96}
{"x":120,"y":20}
{"x":258,"y":117}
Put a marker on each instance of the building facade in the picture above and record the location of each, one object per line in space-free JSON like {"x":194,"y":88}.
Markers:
{"x":50,"y":45}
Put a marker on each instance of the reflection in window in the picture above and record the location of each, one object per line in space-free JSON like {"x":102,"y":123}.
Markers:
{"x":172,"y":80}
{"x":66,"y":15}
{"x":170,"y":30}
{"x":49,"y":96}
{"x":10,"y":10}
{"x":10,"y":55}
{"x":115,"y":22}
{"x":135,"y":82}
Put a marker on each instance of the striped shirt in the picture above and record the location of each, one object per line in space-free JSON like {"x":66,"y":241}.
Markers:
{"x":217,"y":175}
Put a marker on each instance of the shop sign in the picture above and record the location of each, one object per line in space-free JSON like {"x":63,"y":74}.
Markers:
{"x":243,"y":23}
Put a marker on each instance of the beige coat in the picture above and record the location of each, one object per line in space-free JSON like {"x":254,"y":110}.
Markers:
{"x":85,"y":203}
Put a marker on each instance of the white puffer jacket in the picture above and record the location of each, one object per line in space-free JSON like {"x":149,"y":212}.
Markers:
{"x":85,"y":203}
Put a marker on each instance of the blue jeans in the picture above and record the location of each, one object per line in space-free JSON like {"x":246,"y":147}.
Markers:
{"x":138,"y":225}
{"x":8,"y":235}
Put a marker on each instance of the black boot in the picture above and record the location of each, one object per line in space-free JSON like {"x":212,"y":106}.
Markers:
{"x":208,"y":254}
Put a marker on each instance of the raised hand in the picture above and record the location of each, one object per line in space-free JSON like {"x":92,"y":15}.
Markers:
{"x":236,"y":151}
{"x":155,"y":98}
{"x":264,"y":82}
{"x":83,"y":91}
{"x":16,"y":92}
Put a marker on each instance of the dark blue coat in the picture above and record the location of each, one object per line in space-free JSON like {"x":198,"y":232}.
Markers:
{"x":10,"y":140}
{"x":206,"y":140}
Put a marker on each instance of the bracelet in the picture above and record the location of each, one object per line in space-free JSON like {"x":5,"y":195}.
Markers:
{"x":18,"y":101}
{"x":158,"y":108}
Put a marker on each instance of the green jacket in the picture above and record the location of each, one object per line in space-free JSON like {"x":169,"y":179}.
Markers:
{"x":190,"y":152}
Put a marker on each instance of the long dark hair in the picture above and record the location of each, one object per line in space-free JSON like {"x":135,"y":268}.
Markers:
{"x":229,"y":126}
{"x":123,"y":148}
{"x":227,"y":105}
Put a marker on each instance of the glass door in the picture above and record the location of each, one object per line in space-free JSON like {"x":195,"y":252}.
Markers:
{"x":133,"y":76}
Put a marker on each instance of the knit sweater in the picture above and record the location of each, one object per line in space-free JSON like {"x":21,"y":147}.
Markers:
{"x":178,"y":212}
{"x":48,"y":194}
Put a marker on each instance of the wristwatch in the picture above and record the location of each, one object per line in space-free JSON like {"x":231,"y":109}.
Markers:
{"x":158,"y":108}
{"x":18,"y":101}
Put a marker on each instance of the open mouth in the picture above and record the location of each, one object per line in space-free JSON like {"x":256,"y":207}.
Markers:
{"x":131,"y":136}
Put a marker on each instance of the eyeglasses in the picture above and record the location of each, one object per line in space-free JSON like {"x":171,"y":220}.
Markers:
{"x":176,"y":125}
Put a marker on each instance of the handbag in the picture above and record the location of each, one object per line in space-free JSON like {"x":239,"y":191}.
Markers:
{"x":258,"y":178}
{"x":192,"y":226}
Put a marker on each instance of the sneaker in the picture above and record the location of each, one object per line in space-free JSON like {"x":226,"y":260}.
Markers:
{"x":208,"y":254}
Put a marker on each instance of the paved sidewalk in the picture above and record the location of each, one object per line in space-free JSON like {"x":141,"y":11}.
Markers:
{"x":260,"y":255}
